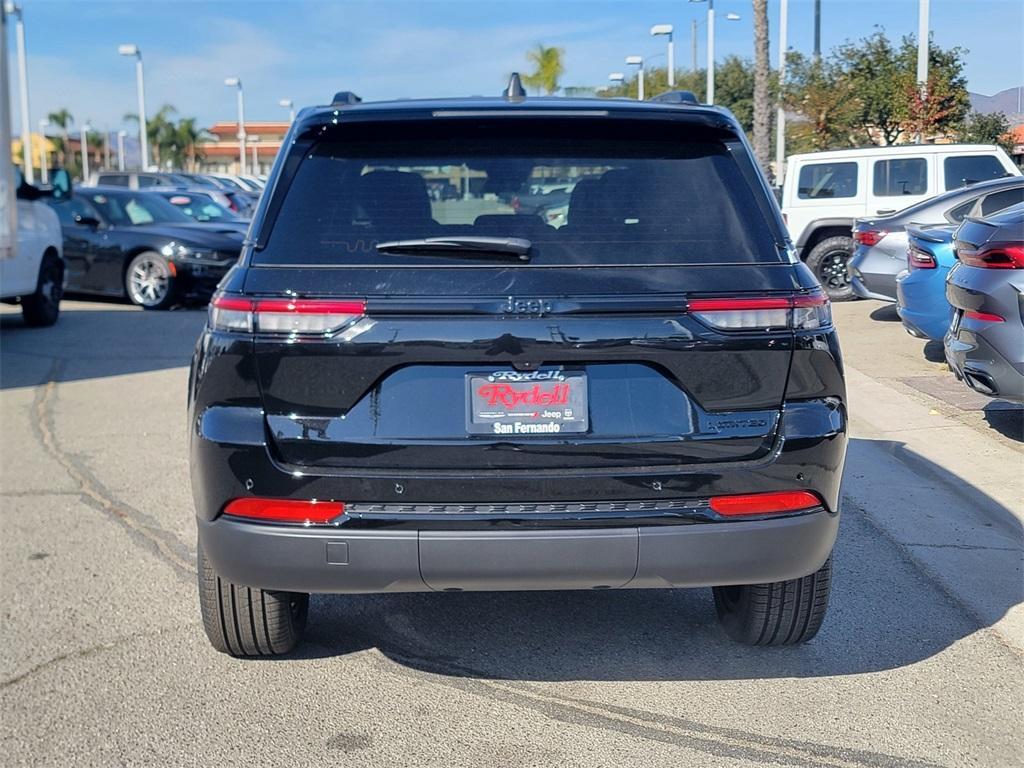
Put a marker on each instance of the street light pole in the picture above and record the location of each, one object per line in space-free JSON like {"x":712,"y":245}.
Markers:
{"x":130,"y":49}
{"x":44,"y":173}
{"x":234,"y":82}
{"x":922,"y":55}
{"x":255,"y":159}
{"x":120,"y":149}
{"x":13,"y":9}
{"x":780,"y":122}
{"x":290,"y":106}
{"x":85,"y":153}
{"x":638,"y":62}
{"x":666,"y":30}
{"x":710,"y":95}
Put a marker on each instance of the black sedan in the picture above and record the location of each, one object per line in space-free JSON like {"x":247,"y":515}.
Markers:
{"x":120,"y":242}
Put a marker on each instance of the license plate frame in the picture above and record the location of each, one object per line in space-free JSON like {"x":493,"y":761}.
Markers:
{"x":527,"y":404}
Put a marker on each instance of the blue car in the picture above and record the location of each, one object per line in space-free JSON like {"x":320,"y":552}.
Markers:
{"x":921,"y":287}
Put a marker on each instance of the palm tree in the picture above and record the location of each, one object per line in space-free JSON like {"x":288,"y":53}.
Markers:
{"x":548,"y":68}
{"x":762,"y":73}
{"x":63,"y":120}
{"x":188,"y":137}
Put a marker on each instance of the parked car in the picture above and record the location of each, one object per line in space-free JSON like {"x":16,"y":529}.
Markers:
{"x":138,"y":179}
{"x":881,"y":242}
{"x":31,"y":251}
{"x":201,"y":206}
{"x":921,"y":286}
{"x":985,"y":342}
{"x":120,"y":242}
{"x":825,"y":192}
{"x":232,"y":181}
{"x":388,"y":399}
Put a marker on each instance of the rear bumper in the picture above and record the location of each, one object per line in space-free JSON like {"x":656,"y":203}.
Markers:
{"x":980,"y":365}
{"x":325,"y":560}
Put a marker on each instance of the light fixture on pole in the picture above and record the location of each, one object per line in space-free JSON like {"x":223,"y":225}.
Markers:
{"x":638,"y":62}
{"x":234,"y":82}
{"x":666,"y":30}
{"x":44,"y":161}
{"x":290,"y":106}
{"x":84,"y":132}
{"x":13,"y":9}
{"x":710,"y":94}
{"x":120,"y":149}
{"x":130,"y":49}
{"x":616,"y":77}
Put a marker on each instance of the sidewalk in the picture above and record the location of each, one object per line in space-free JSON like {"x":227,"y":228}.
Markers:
{"x":951,"y":496}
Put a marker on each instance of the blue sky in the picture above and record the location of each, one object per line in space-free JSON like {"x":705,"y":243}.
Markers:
{"x":395,"y":48}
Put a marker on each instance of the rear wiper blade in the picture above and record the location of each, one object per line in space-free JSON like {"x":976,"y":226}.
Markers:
{"x":463,"y":247}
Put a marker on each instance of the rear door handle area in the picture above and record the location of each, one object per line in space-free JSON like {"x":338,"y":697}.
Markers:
{"x":885,"y":211}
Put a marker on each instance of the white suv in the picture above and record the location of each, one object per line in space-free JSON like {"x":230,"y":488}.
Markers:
{"x":825,"y":191}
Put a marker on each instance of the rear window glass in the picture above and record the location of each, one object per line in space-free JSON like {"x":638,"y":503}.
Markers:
{"x":578,"y":201}
{"x":902,"y":176}
{"x":970,"y":169}
{"x":827,"y":180}
{"x":997,"y":201}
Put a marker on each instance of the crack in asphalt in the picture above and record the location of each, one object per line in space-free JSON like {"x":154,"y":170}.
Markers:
{"x":141,"y":528}
{"x":691,"y":734}
{"x":82,"y":653}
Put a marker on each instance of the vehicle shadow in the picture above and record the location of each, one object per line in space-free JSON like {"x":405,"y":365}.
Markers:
{"x":96,"y":340}
{"x":934,"y":352}
{"x":885,"y":613}
{"x":885,"y":313}
{"x":1006,"y":419}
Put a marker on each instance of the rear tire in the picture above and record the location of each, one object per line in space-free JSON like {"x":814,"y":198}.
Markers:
{"x":246,"y":621}
{"x":42,"y":308}
{"x":780,"y":613}
{"x":829,"y":261}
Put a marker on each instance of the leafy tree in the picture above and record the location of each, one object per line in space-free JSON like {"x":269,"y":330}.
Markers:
{"x":825,"y":98}
{"x":762,"y":77}
{"x":885,"y":77}
{"x":993,"y":128}
{"x":548,"y":68}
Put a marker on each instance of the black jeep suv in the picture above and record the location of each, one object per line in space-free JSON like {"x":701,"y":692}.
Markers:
{"x":396,"y":393}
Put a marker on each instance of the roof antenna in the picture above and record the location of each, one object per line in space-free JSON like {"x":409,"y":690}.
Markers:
{"x":514,"y":91}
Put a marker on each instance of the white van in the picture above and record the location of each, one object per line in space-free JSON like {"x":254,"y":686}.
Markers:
{"x":825,"y":191}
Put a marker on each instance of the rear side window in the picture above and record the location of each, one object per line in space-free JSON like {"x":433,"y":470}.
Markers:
{"x":148,"y":181}
{"x":113,"y":179}
{"x":997,"y":201}
{"x":578,"y":201}
{"x":970,"y":169}
{"x":958,"y":214}
{"x":901,"y":176}
{"x":827,"y":180}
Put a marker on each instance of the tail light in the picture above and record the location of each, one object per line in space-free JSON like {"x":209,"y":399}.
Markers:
{"x":285,"y":510}
{"x":747,"y":314}
{"x":986,"y":317}
{"x":993,"y":256}
{"x":772,"y":503}
{"x":292,"y":317}
{"x":918,"y":258}
{"x":868,"y":237}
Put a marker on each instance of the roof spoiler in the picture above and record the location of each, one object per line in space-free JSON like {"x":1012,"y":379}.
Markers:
{"x":342,"y":98}
{"x":675,"y":97}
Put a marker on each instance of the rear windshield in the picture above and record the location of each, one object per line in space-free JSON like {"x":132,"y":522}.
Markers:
{"x":583,"y":201}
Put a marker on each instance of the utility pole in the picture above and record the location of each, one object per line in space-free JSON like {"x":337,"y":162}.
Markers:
{"x":817,"y":30}
{"x":693,"y":45}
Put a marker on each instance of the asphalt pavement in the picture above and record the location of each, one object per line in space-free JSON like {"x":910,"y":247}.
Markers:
{"x":920,"y":661}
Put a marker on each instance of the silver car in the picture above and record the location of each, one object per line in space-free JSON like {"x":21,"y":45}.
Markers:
{"x":881,"y":243}
{"x":985,"y":342}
